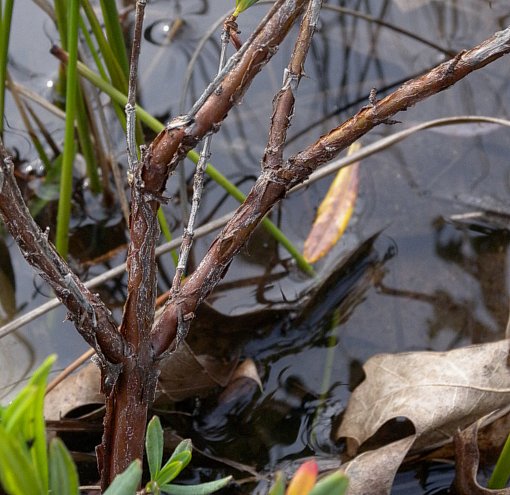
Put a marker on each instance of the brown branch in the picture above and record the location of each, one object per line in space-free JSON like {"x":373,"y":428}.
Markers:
{"x":91,"y":317}
{"x":127,"y":404}
{"x":283,"y":102}
{"x":273,"y":184}
{"x":170,"y":145}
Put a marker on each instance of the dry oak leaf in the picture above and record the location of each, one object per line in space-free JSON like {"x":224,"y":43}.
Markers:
{"x":439,"y":392}
{"x":372,"y":473}
{"x":467,"y":458}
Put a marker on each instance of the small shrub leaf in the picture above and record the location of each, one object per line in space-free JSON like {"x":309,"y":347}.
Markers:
{"x":278,"y":487}
{"x":127,"y":482}
{"x":169,"y":472}
{"x":202,"y":489}
{"x":154,"y":446}
{"x":63,"y":473}
{"x":334,"y":484}
{"x":17,"y":474}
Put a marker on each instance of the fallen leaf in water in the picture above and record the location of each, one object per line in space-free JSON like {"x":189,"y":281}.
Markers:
{"x":183,"y":374}
{"x":373,"y":472}
{"x":334,"y":212}
{"x":78,"y":390}
{"x":438,"y":392}
{"x":466,"y":470}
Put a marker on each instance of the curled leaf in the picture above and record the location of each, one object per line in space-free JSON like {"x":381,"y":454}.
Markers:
{"x":334,"y":212}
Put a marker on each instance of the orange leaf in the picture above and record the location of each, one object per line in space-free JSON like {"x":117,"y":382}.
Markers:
{"x":304,"y":479}
{"x":334,"y":212}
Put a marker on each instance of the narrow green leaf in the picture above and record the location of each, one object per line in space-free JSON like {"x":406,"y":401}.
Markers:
{"x":242,"y":5}
{"x":202,"y":489}
{"x":5,"y":31}
{"x":501,"y":473}
{"x":169,"y":472}
{"x":16,"y":413}
{"x":17,"y":474}
{"x":37,"y":426}
{"x":154,"y":446}
{"x":184,"y":446}
{"x":63,"y":473}
{"x":127,"y":482}
{"x":278,"y":487}
{"x":66,"y":179}
{"x":334,"y":484}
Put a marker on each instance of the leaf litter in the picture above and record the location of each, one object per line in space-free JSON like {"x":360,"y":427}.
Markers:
{"x":439,"y":392}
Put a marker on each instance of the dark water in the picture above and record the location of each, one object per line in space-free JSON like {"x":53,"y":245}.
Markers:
{"x":443,"y":280}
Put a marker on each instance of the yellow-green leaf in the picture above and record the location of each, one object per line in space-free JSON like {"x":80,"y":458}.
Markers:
{"x":242,"y":5}
{"x":334,"y":212}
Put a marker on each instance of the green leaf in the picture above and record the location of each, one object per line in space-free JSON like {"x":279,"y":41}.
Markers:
{"x":202,"y":489}
{"x":334,"y":484}
{"x":278,"y":487}
{"x":35,"y":430}
{"x":242,"y":5}
{"x":18,"y":411}
{"x":127,"y":482}
{"x":184,"y":446}
{"x":169,"y":471}
{"x":154,"y":446}
{"x":17,"y":474}
{"x":63,"y":473}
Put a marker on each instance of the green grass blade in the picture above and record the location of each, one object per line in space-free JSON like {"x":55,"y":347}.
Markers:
{"x":86,"y":146}
{"x":66,"y":179}
{"x":114,"y":32}
{"x":63,"y":473}
{"x":117,"y":74}
{"x":501,"y":474}
{"x":5,"y":31}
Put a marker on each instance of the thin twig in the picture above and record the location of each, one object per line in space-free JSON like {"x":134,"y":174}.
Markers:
{"x":131,"y":103}
{"x":108,"y":275}
{"x":91,"y":317}
{"x":198,"y":186}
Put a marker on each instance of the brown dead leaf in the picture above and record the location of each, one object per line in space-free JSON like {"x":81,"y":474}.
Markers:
{"x":438,"y":392}
{"x":78,"y":390}
{"x":467,"y":457}
{"x":183,"y":374}
{"x":373,"y":472}
{"x":334,"y":212}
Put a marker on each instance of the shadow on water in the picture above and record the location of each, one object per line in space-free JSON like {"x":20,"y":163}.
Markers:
{"x":433,"y":278}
